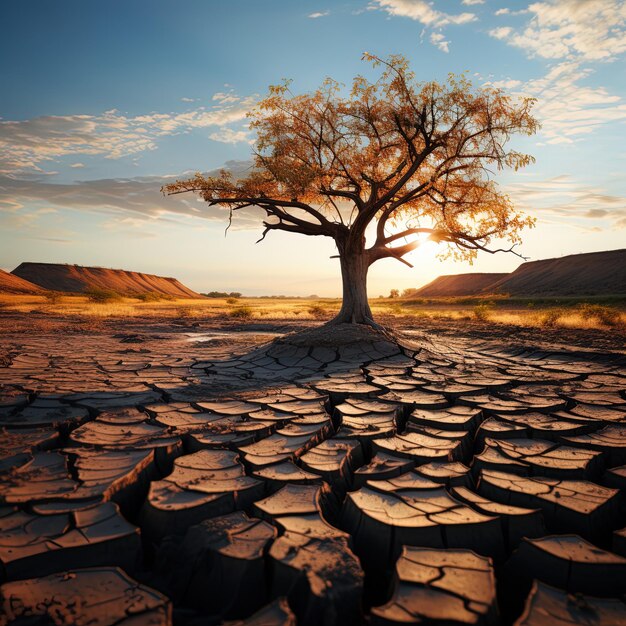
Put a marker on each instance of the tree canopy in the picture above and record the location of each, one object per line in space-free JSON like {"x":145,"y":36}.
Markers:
{"x":381,"y":166}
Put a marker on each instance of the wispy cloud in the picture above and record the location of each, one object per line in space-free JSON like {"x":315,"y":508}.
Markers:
{"x":570,"y":29}
{"x":28,"y":145}
{"x":439,"y":40}
{"x":423,"y":12}
{"x":127,"y":201}
{"x":502,"y":32}
{"x":318,"y":14}
{"x":566,"y":198}
{"x":569,"y":109}
{"x":470,"y":3}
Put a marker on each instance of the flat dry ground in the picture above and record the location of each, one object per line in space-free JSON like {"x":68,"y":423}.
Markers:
{"x":551,"y":323}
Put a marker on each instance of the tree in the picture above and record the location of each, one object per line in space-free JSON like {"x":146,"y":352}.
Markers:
{"x":394,"y":293}
{"x":392,"y":161}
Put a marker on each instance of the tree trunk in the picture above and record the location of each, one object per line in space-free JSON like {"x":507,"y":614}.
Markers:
{"x":355,"y":308}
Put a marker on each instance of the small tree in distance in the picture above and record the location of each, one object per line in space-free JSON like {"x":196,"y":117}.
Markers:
{"x":393,"y":161}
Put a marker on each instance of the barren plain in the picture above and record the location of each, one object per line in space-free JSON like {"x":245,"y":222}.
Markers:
{"x":205,"y":467}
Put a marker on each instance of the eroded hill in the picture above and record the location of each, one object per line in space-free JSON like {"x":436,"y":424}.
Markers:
{"x":10,"y":283}
{"x":459,"y":285}
{"x":589,"y":274}
{"x":79,"y":279}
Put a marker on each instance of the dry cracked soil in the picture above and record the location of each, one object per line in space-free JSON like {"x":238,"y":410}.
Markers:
{"x":202,"y":477}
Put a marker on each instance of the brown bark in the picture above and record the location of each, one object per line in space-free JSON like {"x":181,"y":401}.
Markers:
{"x":355,"y":308}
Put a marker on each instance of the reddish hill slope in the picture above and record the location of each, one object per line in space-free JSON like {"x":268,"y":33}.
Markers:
{"x":78,"y":279}
{"x":459,"y":285}
{"x":9,"y":283}
{"x":593,"y":273}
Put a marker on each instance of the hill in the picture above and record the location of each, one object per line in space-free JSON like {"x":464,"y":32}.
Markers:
{"x":590,"y":274}
{"x":9,"y":283}
{"x":459,"y":285}
{"x":79,"y":279}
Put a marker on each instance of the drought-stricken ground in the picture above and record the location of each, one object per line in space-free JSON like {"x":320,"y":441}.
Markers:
{"x":463,"y":475}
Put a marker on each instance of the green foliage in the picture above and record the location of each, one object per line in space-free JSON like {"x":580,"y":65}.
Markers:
{"x":102,"y":296}
{"x":241,"y":313}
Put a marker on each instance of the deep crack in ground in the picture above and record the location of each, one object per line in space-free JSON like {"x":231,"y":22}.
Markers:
{"x":435,"y":480}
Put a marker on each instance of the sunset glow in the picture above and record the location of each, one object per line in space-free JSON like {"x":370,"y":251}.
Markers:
{"x":88,"y":138}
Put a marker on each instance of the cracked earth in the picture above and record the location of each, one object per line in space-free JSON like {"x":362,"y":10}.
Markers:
{"x":207,"y":478}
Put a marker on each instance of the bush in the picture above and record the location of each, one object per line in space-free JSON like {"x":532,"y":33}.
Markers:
{"x":150,"y":297}
{"x":606,"y":315}
{"x":53,"y":297}
{"x":102,"y":295}
{"x":550,"y":318}
{"x":482,"y":311}
{"x":317,"y":311}
{"x":241,"y":313}
{"x":231,"y":300}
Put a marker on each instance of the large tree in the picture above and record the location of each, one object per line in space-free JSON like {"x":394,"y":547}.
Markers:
{"x":380,"y":168}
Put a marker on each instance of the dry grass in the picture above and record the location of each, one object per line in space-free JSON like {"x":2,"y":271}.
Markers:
{"x":578,"y":316}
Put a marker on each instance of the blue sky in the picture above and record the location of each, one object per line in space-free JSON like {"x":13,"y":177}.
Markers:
{"x":104,"y":101}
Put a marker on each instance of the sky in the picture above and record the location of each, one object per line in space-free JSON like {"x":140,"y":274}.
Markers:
{"x":104,"y":101}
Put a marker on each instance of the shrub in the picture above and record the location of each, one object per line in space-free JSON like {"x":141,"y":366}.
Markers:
{"x":317,"y":311}
{"x":482,"y":311}
{"x":231,"y":300}
{"x":606,"y":315}
{"x":149,"y":296}
{"x":241,"y":313}
{"x":550,"y":318}
{"x":102,"y":295}
{"x":53,"y":297}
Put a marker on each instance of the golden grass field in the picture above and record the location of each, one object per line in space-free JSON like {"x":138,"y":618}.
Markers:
{"x":570,"y":315}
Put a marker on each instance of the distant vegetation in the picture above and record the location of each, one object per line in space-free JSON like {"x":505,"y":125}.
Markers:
{"x":222,"y":294}
{"x":241,"y":313}
{"x":553,"y":313}
{"x":103,"y":295}
{"x":152,"y":297}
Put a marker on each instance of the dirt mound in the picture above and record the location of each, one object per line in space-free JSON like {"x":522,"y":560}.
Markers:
{"x":594,"y":273}
{"x":459,"y":285}
{"x":78,"y":279}
{"x":9,"y":283}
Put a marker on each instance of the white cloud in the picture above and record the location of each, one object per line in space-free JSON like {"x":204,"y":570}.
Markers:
{"x":470,"y":3}
{"x":228,"y":135}
{"x":565,"y":198}
{"x":27,"y":145}
{"x":509,"y":83}
{"x":189,"y":99}
{"x":423,"y":12}
{"x":502,"y":32}
{"x":77,"y":165}
{"x":569,"y":109}
{"x":137,"y":198}
{"x":592,"y":30}
{"x":502,"y":11}
{"x":439,"y":40}
{"x":317,"y":14}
